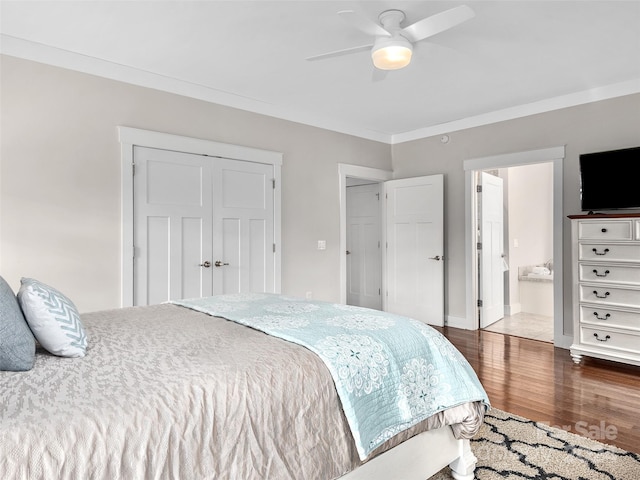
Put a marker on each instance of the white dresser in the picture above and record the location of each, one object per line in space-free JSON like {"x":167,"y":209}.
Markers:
{"x":606,"y":287}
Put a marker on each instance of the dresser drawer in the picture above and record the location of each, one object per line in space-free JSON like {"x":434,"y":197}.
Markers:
{"x":607,"y":295}
{"x":608,"y":317}
{"x":616,"y":230}
{"x":609,"y":252}
{"x":609,"y":339}
{"x":593,"y":272}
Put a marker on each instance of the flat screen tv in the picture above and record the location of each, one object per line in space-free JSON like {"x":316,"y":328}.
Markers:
{"x":610,"y":180}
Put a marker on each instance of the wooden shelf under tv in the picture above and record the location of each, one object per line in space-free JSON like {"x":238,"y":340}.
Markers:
{"x":603,"y":215}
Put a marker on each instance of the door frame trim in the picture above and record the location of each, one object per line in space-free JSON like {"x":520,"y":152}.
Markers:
{"x":553,"y":155}
{"x":132,"y":137}
{"x":366,"y":173}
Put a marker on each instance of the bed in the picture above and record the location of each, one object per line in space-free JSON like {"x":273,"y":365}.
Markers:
{"x":167,"y":391}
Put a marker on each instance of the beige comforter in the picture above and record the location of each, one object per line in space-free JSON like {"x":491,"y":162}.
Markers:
{"x":166,"y":392}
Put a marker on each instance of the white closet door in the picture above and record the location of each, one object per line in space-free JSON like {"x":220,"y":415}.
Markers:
{"x":364,"y":267}
{"x":415,"y":248}
{"x":202,"y":226}
{"x":243,"y":232}
{"x":172,"y":226}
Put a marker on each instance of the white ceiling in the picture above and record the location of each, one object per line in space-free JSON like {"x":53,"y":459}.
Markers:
{"x":514,"y":58}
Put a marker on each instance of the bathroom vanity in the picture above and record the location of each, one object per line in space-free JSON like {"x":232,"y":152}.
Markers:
{"x":606,"y":287}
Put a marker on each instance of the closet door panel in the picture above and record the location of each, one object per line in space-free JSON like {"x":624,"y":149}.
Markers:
{"x":193,"y":237}
{"x":231,"y":255}
{"x":173,"y":217}
{"x":158,"y":264}
{"x":243,"y":227}
{"x":257,"y":255}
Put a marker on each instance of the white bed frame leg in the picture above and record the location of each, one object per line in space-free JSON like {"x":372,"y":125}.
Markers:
{"x":462,"y":468}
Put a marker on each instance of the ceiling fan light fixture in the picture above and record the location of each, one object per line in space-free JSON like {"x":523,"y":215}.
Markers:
{"x":391,"y":54}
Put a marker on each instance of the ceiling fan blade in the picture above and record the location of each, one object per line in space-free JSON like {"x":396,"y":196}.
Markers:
{"x":363,"y":24}
{"x":435,"y":24}
{"x":339,"y":53}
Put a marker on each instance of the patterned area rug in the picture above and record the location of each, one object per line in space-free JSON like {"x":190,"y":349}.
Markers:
{"x":513,"y":448}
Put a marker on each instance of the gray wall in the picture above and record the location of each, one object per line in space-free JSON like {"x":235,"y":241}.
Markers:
{"x":60,"y":178}
{"x":60,"y":175}
{"x":597,"y":126}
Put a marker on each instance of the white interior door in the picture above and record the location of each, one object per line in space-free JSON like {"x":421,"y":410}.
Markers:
{"x":202,"y":226}
{"x":172,"y":226}
{"x":364,"y":263}
{"x":491,"y":253}
{"x":415,"y":248}
{"x":243,"y":236}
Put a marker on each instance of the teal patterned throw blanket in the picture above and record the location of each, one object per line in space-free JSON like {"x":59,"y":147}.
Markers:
{"x":391,"y":372}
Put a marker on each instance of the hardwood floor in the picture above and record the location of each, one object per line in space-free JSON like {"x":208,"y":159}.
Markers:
{"x":598,"y":399}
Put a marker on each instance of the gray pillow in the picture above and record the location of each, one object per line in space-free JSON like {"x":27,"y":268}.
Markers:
{"x":17,"y":345}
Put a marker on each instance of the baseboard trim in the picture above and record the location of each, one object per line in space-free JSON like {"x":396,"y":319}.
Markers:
{"x":512,"y":309}
{"x":563,"y":341}
{"x":459,"y":322}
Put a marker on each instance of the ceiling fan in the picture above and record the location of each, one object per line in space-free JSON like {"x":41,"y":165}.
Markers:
{"x":393,"y":44}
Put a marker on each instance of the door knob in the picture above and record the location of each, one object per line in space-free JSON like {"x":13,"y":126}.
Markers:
{"x":219,"y":263}
{"x":348,"y":252}
{"x":437,"y":258}
{"x":206,"y":264}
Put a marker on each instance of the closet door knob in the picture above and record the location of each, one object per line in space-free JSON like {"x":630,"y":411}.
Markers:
{"x":220,"y":264}
{"x":206,"y":264}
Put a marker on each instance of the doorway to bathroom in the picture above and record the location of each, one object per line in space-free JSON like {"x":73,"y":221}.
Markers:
{"x":511,"y":266}
{"x":515,"y":250}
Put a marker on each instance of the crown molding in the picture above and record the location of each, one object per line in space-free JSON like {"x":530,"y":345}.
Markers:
{"x":556,"y":103}
{"x":49,"y":55}
{"x":41,"y":53}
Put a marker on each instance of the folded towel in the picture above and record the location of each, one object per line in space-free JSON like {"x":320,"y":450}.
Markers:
{"x":541,"y":271}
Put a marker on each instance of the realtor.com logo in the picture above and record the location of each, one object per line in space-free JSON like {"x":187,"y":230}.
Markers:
{"x":600,"y":431}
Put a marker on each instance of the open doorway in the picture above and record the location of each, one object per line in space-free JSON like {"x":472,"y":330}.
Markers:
{"x":364,"y":243}
{"x":555,"y":156}
{"x":412,"y":242}
{"x":522,"y":272}
{"x":353,"y":175}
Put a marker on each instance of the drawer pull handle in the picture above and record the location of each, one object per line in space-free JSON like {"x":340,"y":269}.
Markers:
{"x":604,"y":252}
{"x":606,"y":272}
{"x":601,"y":339}
{"x":606,"y":294}
{"x":604,"y":230}
{"x":606,"y":317}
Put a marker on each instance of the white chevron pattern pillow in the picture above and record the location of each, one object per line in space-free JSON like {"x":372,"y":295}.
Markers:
{"x":53,"y":318}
